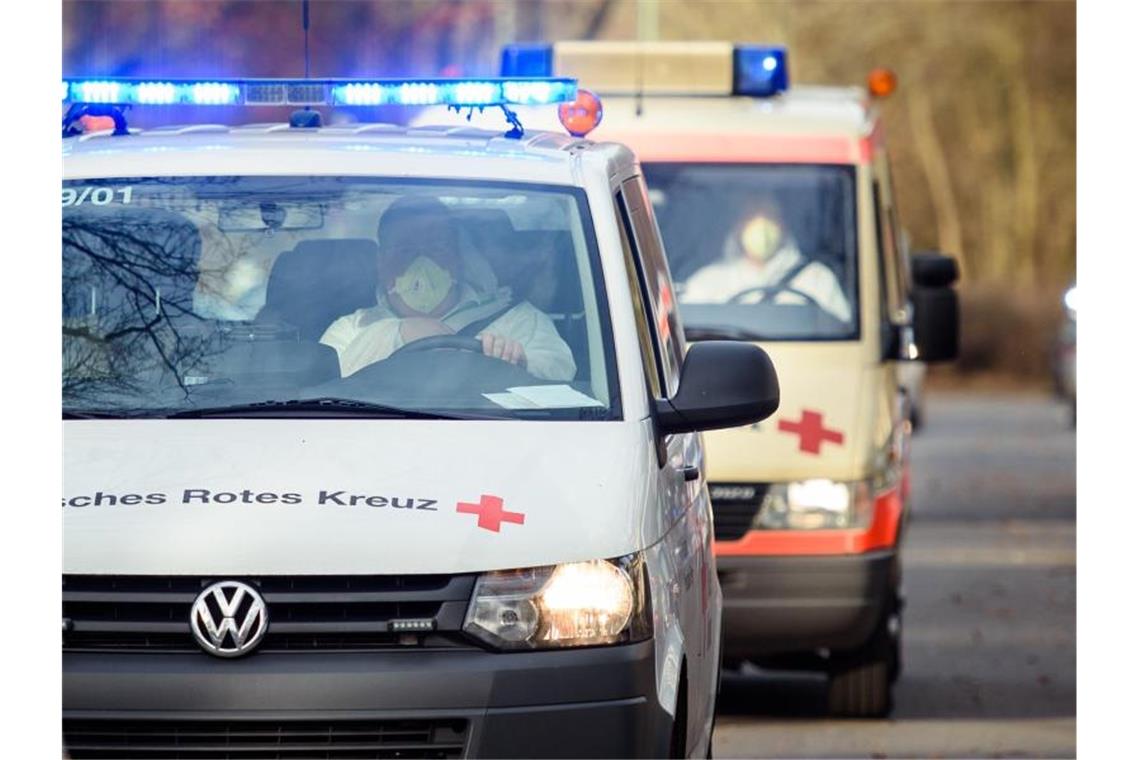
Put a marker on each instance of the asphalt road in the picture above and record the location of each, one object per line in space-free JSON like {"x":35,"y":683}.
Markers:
{"x":989,"y":637}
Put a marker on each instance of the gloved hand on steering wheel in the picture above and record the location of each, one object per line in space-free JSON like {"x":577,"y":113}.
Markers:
{"x":415,"y":329}
{"x":501,"y":347}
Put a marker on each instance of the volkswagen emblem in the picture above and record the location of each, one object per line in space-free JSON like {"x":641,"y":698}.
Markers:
{"x":229,"y":619}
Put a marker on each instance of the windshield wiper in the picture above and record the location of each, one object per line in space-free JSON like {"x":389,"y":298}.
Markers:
{"x":720,"y":332}
{"x":315,"y":407}
{"x":96,"y":414}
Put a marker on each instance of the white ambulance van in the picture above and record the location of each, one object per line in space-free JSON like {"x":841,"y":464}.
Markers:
{"x":781,"y":229}
{"x":380,"y":442}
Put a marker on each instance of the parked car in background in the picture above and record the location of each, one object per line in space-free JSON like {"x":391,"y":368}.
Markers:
{"x":912,"y":374}
{"x":1065,"y":354}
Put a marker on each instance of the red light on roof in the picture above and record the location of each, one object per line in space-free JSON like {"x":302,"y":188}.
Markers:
{"x":583,"y":115}
{"x":882,"y":82}
{"x":96,"y":123}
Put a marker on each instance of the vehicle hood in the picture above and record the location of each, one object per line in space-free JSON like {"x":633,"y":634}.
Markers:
{"x":830,"y":422}
{"x":248,"y":497}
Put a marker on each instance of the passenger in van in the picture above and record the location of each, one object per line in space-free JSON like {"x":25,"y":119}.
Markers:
{"x":760,"y":253}
{"x":425,"y":288}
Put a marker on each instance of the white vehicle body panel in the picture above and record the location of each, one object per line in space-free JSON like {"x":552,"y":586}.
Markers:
{"x":585,"y":490}
{"x":336,"y":153}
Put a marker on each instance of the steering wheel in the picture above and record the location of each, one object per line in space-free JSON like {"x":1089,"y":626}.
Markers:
{"x":412,"y":372}
{"x":775,"y":290}
{"x":440,"y":342}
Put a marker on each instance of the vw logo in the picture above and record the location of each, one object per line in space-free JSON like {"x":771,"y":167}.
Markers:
{"x":229,"y":619}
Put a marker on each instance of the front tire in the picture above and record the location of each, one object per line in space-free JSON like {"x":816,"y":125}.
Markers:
{"x":677,"y":737}
{"x":859,"y":683}
{"x":678,"y":733}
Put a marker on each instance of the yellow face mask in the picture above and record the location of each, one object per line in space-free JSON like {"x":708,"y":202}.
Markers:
{"x":760,"y":239}
{"x":424,"y":285}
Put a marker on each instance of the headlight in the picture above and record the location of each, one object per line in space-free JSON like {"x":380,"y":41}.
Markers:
{"x":572,"y":605}
{"x":815,"y":505}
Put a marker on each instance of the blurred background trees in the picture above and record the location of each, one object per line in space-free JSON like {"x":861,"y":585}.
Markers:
{"x":982,"y":128}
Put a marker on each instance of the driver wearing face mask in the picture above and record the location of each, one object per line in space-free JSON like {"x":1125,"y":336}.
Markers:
{"x":425,"y":289}
{"x":762,"y":257}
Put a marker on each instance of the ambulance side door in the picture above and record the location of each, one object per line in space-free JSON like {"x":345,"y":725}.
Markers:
{"x":680,"y":476}
{"x":896,"y":316}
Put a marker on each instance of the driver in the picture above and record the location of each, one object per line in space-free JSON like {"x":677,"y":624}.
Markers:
{"x":761,"y":253}
{"x":424,"y":289}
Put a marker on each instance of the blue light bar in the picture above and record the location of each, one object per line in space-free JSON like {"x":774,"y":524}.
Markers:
{"x":759,"y":70}
{"x":156,"y":93}
{"x":214,"y":94}
{"x":96,"y":92}
{"x":322,"y":92}
{"x":452,"y":92}
{"x":532,"y":92}
{"x":527,"y":60}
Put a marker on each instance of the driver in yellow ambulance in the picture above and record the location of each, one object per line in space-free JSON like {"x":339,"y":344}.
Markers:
{"x":761,"y":260}
{"x":424,"y":289}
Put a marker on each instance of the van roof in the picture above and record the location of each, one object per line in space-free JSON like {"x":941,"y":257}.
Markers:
{"x":354,"y":149}
{"x":803,"y":109}
{"x":806,"y":124}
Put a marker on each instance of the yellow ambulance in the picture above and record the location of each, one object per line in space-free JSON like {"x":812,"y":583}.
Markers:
{"x":781,"y":228}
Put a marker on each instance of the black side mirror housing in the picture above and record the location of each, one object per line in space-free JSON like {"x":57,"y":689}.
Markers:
{"x":724,"y":383}
{"x":935,"y":303}
{"x":931,"y":269}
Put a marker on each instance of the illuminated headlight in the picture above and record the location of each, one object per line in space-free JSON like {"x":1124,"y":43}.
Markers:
{"x":572,"y":605}
{"x":1070,"y":300}
{"x":815,"y":505}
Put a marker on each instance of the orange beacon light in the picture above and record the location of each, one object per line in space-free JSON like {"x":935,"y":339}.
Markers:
{"x":882,"y":82}
{"x":582,"y":115}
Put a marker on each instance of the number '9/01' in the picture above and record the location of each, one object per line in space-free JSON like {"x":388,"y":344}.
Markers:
{"x":96,"y":196}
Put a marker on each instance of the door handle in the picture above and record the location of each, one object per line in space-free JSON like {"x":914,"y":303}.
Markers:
{"x":691,"y":472}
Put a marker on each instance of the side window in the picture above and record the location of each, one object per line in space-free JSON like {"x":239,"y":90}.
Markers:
{"x":645,"y":335}
{"x":658,"y":292}
{"x":902,"y":264}
{"x":883,"y":245}
{"x":891,"y":253}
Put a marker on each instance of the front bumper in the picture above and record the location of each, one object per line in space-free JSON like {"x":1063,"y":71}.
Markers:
{"x":596,"y":702}
{"x":790,"y":605}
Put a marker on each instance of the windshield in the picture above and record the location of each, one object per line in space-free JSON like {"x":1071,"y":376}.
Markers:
{"x":760,"y":251}
{"x":184,"y":294}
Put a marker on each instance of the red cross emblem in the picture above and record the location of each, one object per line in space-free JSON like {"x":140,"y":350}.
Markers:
{"x":811,"y":431}
{"x":491,"y":512}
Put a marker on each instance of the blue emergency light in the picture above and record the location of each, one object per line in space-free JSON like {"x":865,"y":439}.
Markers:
{"x":464,"y":93}
{"x":759,"y":71}
{"x":527,"y":60}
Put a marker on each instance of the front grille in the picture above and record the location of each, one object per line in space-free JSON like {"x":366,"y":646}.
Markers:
{"x":734,"y":507}
{"x":152,"y":613}
{"x":126,"y":739}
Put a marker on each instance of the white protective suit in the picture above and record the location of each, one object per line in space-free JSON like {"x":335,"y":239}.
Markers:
{"x":369,"y":335}
{"x":719,"y":282}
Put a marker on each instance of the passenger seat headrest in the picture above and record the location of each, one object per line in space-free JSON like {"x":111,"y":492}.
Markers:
{"x":319,"y":281}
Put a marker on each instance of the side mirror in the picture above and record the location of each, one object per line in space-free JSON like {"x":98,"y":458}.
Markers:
{"x":724,"y":383}
{"x":935,"y":307}
{"x":931,"y":269}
